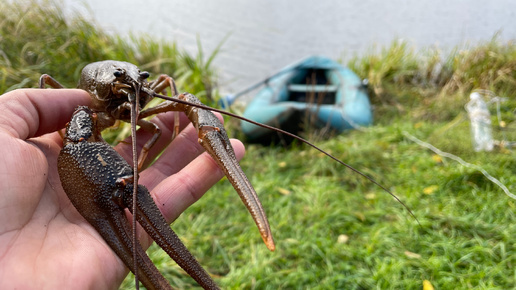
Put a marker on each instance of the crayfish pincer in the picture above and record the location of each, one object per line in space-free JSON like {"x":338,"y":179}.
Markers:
{"x":98,"y":181}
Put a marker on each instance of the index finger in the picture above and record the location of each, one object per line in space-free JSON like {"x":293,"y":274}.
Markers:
{"x":28,"y":113}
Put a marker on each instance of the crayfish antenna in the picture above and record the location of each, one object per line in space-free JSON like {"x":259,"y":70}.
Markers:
{"x":296,"y":137}
{"x":134,"y":118}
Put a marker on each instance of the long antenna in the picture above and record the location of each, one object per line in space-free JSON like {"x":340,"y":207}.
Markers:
{"x":134,"y":117}
{"x":294,"y":136}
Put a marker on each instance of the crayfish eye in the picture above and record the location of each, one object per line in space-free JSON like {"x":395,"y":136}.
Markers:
{"x":117,"y":73}
{"x":144,"y":75}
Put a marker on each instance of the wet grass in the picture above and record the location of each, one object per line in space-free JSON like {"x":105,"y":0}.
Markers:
{"x":333,"y":229}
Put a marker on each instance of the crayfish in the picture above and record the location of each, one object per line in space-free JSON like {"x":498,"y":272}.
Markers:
{"x":101,"y":184}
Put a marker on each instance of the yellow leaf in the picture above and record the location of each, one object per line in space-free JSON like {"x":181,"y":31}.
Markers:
{"x":437,"y":159}
{"x":342,"y":239}
{"x":427,"y":285}
{"x":282,"y":164}
{"x":503,"y":124}
{"x":360,"y":216}
{"x":370,"y":196}
{"x":431,"y":189}
{"x":412,"y":255}
{"x":283,"y":191}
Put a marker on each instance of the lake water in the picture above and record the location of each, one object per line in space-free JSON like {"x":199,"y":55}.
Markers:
{"x":264,"y":36}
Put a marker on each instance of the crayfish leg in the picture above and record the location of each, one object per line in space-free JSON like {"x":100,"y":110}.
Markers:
{"x":48,"y":80}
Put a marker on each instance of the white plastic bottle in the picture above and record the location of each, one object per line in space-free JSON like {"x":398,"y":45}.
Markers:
{"x":480,"y":120}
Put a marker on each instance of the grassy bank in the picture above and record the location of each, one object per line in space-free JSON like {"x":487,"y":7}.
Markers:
{"x":333,"y":229}
{"x":37,"y":39}
{"x":337,"y":231}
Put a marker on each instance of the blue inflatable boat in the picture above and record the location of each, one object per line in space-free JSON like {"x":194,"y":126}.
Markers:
{"x":333,"y":95}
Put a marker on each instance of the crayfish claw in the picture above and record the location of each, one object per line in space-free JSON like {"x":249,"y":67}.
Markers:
{"x":150,"y":218}
{"x":216,"y":142}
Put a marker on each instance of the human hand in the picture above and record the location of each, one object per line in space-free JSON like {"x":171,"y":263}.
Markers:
{"x":44,"y":242}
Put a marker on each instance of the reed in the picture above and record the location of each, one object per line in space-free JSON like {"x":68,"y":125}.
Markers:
{"x":429,"y":84}
{"x":37,"y":38}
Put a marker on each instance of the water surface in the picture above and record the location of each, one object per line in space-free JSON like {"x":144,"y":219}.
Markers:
{"x":264,"y":36}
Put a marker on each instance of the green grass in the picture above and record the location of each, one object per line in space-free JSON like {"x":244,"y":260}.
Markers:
{"x":333,"y":229}
{"x":466,"y":238}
